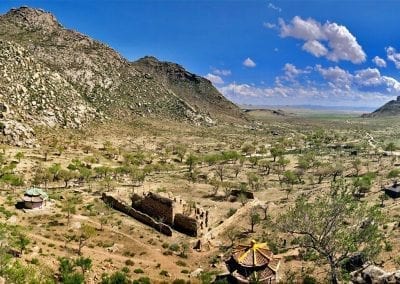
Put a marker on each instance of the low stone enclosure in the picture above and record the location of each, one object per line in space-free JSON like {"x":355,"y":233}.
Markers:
{"x":162,"y":213}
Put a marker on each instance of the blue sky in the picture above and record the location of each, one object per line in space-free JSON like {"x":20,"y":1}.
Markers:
{"x":257,"y":52}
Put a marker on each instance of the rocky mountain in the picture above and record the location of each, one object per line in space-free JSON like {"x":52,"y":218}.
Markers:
{"x":58,"y":77}
{"x":392,"y":108}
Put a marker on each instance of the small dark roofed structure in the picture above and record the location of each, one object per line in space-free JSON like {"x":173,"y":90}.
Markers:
{"x":34,"y":198}
{"x":254,"y":263}
{"x":393,"y":191}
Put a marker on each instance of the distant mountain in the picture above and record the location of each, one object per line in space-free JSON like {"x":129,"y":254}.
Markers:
{"x":58,"y":77}
{"x":391,"y":108}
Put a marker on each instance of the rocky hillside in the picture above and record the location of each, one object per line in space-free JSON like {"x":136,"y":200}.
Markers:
{"x":58,"y":77}
{"x":391,"y":108}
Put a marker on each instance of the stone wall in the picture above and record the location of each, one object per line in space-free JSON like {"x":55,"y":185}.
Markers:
{"x":156,"y":206}
{"x":140,"y":216}
{"x":186,"y":225}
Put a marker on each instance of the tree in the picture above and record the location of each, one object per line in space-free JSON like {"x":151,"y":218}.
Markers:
{"x":69,"y":206}
{"x":21,"y":241}
{"x":68,"y":273}
{"x":66,"y":176}
{"x":265,"y":166}
{"x":219,"y":170}
{"x":277,"y":152}
{"x":191,"y":162}
{"x":84,"y":263}
{"x":290,"y":178}
{"x":334,"y":225}
{"x":86,"y":232}
{"x":180,"y":151}
{"x":254,"y":219}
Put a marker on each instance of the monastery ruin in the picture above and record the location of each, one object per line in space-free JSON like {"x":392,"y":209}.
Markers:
{"x":158,"y":211}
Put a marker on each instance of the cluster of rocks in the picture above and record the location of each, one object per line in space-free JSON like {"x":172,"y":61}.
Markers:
{"x":57,"y":77}
{"x":371,"y":274}
{"x":31,"y":94}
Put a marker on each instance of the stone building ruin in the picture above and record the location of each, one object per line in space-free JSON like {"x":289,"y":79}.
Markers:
{"x":184,"y":217}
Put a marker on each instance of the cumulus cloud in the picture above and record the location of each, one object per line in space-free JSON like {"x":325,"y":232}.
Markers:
{"x":269,"y":25}
{"x":315,"y":48}
{"x":274,"y":7}
{"x":222,"y":72}
{"x":371,"y":77}
{"x":331,"y":40}
{"x":291,"y":72}
{"x":248,"y":62}
{"x":336,"y":77}
{"x":245,"y":94}
{"x":380,"y":62}
{"x":215,"y":79}
{"x":393,"y":56}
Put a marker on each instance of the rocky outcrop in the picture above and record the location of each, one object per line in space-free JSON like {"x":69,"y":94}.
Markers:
{"x":371,"y":274}
{"x":60,"y":78}
{"x":392,"y":108}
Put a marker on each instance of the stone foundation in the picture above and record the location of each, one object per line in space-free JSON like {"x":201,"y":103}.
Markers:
{"x":140,"y":216}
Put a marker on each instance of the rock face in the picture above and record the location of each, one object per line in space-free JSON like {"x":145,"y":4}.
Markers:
{"x":60,"y":78}
{"x":374,"y":275}
{"x":391,"y":108}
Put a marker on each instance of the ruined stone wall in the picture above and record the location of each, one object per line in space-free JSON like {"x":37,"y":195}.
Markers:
{"x":185,"y":224}
{"x":140,"y":216}
{"x":158,"y":207}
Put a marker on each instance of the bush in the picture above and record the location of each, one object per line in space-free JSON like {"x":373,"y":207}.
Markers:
{"x":181,"y":263}
{"x":129,"y":262}
{"x":174,"y":247}
{"x":178,"y":281}
{"x":138,"y":271}
{"x":164,"y":273}
{"x":142,"y":280}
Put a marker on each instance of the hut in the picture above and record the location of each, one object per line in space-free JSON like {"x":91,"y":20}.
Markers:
{"x":252,"y":263}
{"x":34,"y":198}
{"x":393,"y":191}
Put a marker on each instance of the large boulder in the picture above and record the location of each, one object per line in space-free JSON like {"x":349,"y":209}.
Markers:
{"x":371,"y":274}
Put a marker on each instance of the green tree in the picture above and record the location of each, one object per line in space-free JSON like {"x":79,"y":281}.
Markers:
{"x":21,"y":241}
{"x":69,"y":206}
{"x":335,"y":226}
{"x":277,"y":152}
{"x":84,"y":263}
{"x":254,"y":219}
{"x":85,"y":233}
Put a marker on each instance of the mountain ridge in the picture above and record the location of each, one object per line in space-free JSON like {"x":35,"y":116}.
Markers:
{"x":391,"y":108}
{"x":98,"y":77}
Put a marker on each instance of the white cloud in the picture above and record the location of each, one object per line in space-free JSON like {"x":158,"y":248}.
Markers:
{"x":249,"y":63}
{"x":273,"y":7}
{"x":215,"y":79}
{"x":247,"y":94}
{"x":336,"y":77}
{"x":315,"y":48}
{"x":222,"y":72}
{"x":371,"y":77}
{"x":380,"y":62}
{"x":269,"y":25}
{"x":330,"y":39}
{"x":393,"y":56}
{"x":291,"y":72}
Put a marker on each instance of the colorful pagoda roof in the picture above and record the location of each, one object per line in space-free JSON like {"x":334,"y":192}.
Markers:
{"x":255,"y":255}
{"x":34,"y":191}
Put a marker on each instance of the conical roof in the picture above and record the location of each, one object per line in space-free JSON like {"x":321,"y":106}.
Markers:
{"x":33,"y":191}
{"x":255,"y":255}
